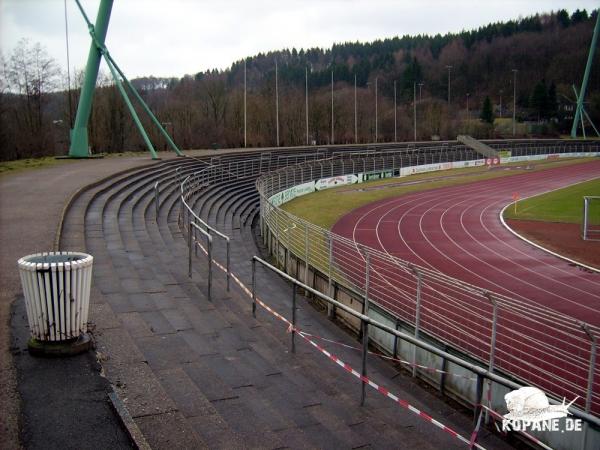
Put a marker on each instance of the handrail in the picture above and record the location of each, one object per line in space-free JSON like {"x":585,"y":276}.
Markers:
{"x":208,"y":251}
{"x":480,"y":371}
{"x":276,"y":221}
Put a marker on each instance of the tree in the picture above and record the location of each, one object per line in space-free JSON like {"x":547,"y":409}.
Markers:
{"x":552,"y":102}
{"x":562,"y":17}
{"x":487,"y":112}
{"x":579,"y":16}
{"x":539,"y":99}
{"x":31,"y":74}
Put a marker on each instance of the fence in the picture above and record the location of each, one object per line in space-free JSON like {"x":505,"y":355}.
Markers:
{"x":529,"y":342}
{"x":505,"y":335}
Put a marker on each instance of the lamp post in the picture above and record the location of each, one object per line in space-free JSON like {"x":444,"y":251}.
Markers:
{"x":468,"y":115}
{"x":449,"y":68}
{"x":276,"y":104}
{"x":514,"y":121}
{"x":501,"y":103}
{"x":332,"y":139}
{"x":376,"y":109}
{"x":306,"y":83}
{"x":166,"y":127}
{"x":415,"y":110}
{"x":395,"y":115}
{"x":355,"y":114}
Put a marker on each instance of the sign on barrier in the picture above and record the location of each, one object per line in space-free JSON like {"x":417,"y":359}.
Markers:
{"x":377,"y":175}
{"x":341,"y":180}
{"x":412,"y":170}
{"x":292,"y":193}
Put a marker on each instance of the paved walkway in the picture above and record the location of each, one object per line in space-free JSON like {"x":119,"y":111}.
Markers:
{"x":31,"y":203}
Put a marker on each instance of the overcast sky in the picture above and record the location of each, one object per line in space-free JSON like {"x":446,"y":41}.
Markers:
{"x":177,"y":37}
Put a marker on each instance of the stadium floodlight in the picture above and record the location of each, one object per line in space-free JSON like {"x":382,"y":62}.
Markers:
{"x":590,"y":225}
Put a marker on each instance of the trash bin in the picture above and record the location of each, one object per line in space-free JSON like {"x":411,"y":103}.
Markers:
{"x":56,"y":286}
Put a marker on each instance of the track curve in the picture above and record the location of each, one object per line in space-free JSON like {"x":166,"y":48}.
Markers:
{"x":457,"y":231}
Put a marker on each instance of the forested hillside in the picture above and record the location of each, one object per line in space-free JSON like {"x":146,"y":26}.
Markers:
{"x":548,"y":51}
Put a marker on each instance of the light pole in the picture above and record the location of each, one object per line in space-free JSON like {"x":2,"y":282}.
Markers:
{"x":355,"y":114}
{"x":376,"y":109}
{"x":449,"y":68}
{"x":165,"y":126}
{"x":332,"y":140}
{"x":514,"y":123}
{"x":245,"y":117}
{"x":501,"y":103}
{"x":415,"y":110}
{"x":306,"y":81}
{"x":468,"y":115}
{"x":395,"y":114}
{"x":276,"y":104}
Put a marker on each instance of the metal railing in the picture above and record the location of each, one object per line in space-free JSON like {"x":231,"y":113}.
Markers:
{"x":481,"y":373}
{"x":483,"y":325}
{"x":489,"y":317}
{"x":193,"y":239}
{"x":530,"y":342}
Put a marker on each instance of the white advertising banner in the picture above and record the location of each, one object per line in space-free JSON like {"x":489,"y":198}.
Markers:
{"x":291,"y":193}
{"x":341,"y":180}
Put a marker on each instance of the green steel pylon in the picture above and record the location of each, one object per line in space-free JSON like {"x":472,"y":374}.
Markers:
{"x":79,"y":135}
{"x":586,"y":75}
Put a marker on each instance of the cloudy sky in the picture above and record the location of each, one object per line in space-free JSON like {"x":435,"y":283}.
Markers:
{"x":177,"y":37}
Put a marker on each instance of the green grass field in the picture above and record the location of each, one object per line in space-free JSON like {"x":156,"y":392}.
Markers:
{"x":325,"y":208}
{"x":563,"y":205}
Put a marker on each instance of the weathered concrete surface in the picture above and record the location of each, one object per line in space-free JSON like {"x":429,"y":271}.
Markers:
{"x":31,"y":203}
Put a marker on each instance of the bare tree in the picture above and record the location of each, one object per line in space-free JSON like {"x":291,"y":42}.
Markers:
{"x":31,"y":74}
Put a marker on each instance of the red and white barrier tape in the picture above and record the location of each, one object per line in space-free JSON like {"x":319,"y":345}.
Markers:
{"x":471,"y":442}
{"x":299,"y":331}
{"x":390,"y":358}
{"x":390,"y":395}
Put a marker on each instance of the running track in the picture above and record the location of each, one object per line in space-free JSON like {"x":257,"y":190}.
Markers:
{"x":457,"y":231}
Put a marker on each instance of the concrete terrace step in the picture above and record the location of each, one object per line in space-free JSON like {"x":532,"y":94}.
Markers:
{"x":195,"y":373}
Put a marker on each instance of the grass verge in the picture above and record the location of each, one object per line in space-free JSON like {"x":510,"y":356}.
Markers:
{"x":325,"y":208}
{"x":563,"y":205}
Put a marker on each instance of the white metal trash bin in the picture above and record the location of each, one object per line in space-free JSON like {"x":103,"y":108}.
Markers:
{"x":56,"y":286}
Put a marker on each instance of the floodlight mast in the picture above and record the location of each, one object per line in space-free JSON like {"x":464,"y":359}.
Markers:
{"x":588,"y":67}
{"x":79,"y":135}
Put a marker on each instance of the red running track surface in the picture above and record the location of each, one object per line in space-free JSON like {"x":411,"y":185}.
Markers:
{"x":457,"y":231}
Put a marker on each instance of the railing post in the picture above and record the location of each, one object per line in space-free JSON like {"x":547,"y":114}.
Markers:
{"x":156,"y":200}
{"x":253,"y":288}
{"x":417,"y":317}
{"x":367,"y":283}
{"x":443,"y":374}
{"x":492,"y":347}
{"x":195,"y":239}
{"x":306,"y":253}
{"x":228,"y":264}
{"x":592,"y":367}
{"x":210,"y":271}
{"x":395,"y":353}
{"x":365,"y":351}
{"x":190,"y":250}
{"x":478,"y":397}
{"x":330,"y":307}
{"x":294,"y":317}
